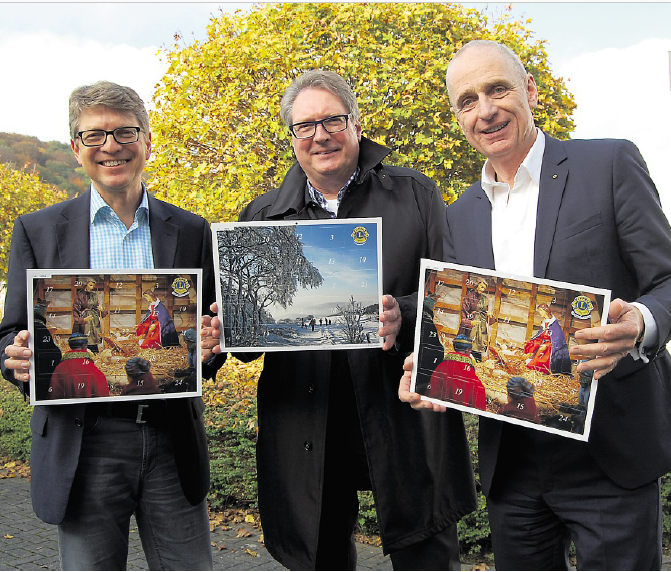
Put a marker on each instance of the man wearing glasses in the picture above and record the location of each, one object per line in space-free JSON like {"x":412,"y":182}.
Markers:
{"x":330,"y":423}
{"x":94,"y":465}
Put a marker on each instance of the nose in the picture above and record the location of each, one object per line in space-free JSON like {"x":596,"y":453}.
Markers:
{"x":111,"y":144}
{"x":486,"y":107}
{"x":320,"y":133}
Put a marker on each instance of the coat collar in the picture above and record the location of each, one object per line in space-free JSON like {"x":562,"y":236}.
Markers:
{"x":482,"y":211}
{"x":291,"y":194}
{"x":72,"y":233}
{"x":164,"y":233}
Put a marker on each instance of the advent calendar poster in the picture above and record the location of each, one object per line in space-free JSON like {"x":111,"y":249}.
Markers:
{"x":114,"y":335}
{"x":300,"y":285}
{"x":498,"y":345}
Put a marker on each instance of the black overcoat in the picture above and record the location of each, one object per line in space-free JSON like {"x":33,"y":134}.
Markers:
{"x":419,"y":463}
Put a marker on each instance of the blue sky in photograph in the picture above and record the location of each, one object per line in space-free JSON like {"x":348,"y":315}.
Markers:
{"x":346,"y":267}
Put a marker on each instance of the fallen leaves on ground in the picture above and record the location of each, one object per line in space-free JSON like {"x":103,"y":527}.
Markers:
{"x":12,"y":469}
{"x":243,"y":533}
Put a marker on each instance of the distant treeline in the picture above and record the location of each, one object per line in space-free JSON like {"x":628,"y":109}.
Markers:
{"x":53,"y":162}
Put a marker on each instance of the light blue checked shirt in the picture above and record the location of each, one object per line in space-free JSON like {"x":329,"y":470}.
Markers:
{"x":112,"y":244}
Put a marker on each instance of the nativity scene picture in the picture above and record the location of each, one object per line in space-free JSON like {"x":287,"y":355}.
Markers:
{"x":99,"y":335}
{"x":497,"y":346}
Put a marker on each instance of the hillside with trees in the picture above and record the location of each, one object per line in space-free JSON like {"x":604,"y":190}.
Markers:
{"x":52,"y":162}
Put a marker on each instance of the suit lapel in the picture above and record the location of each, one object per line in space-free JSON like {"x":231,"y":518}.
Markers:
{"x":482,"y":228}
{"x":554,"y":173}
{"x":164,"y":234}
{"x":72,"y":233}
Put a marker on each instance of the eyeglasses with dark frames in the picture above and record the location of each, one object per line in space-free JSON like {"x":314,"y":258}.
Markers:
{"x":307,"y":129}
{"x":98,"y":137}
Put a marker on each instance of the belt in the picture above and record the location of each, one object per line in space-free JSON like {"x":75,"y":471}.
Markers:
{"x":151,"y":412}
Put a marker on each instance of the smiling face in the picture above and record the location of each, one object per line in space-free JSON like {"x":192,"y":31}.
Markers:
{"x":328,"y":159}
{"x":493,"y":103}
{"x":114,"y":169}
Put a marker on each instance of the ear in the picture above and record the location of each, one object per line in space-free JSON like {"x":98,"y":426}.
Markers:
{"x":75,"y":150}
{"x":532,"y":91}
{"x":358,"y":129}
{"x":148,"y":147}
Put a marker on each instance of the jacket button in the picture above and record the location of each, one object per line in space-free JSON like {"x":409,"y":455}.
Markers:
{"x":78,"y":422}
{"x":308,"y":446}
{"x":311,"y":389}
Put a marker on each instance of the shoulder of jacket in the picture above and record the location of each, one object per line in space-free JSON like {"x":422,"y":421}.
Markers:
{"x":408,"y":173}
{"x":582,"y":146}
{"x":163,"y":208}
{"x":256,"y":207}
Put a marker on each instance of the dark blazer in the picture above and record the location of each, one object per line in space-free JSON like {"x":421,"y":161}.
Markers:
{"x":58,"y":237}
{"x":599,"y":223}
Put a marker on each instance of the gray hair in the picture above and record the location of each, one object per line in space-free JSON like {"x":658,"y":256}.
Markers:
{"x":505,"y":51}
{"x":319,"y":79}
{"x":117,"y":97}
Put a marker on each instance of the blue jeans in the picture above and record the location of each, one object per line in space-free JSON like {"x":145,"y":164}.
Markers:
{"x":125,"y":468}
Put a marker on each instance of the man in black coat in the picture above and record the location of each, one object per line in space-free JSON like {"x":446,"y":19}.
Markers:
{"x":330,"y":422}
{"x":94,"y":465}
{"x":584,"y":212}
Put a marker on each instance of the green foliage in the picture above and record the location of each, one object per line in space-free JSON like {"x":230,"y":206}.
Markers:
{"x":474,"y":531}
{"x":20,"y":193}
{"x":367,"y":522}
{"x":666,"y":510}
{"x":219,"y":141}
{"x":231,"y":427}
{"x":14,"y":423}
{"x":53,"y":162}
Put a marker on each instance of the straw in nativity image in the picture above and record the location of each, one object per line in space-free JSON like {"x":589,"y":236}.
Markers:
{"x":298,"y":286}
{"x":502,"y":346}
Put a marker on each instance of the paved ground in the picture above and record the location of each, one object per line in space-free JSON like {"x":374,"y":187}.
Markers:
{"x":27,"y":543}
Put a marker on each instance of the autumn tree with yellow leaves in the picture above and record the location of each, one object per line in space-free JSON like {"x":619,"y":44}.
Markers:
{"x":219,"y":140}
{"x":21,"y":193}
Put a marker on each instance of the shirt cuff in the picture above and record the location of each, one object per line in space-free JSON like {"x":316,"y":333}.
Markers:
{"x":649,"y":337}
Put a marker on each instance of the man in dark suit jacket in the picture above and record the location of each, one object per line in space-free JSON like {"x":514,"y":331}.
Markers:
{"x":93,"y":465}
{"x":593,"y":217}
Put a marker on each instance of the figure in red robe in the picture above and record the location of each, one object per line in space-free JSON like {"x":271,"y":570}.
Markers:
{"x":76,"y":375}
{"x":157,"y":326}
{"x":548,"y":348}
{"x":455,"y":379}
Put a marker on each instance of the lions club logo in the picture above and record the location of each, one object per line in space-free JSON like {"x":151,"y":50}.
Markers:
{"x":180,"y":287}
{"x":581,"y":307}
{"x":360,"y":235}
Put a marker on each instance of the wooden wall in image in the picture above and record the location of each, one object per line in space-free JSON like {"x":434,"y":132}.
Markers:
{"x":121,"y":296}
{"x":513,"y":304}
